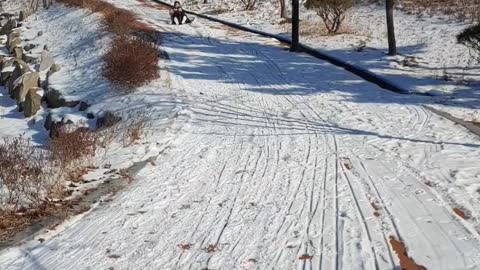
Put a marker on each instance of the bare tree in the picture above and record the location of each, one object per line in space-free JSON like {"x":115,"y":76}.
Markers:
{"x":283,"y":11}
{"x":392,"y":44}
{"x":249,"y":4}
{"x":35,"y":4}
{"x":332,"y":12}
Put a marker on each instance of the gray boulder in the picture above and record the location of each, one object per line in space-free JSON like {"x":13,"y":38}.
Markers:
{"x":55,"y":99}
{"x":15,"y":42}
{"x":108,"y":119}
{"x":12,"y":36}
{"x":46,"y":60}
{"x":23,"y":84}
{"x":33,"y":102}
{"x":8,"y":27}
{"x":18,"y":53}
{"x":23,"y":15}
{"x":20,"y":68}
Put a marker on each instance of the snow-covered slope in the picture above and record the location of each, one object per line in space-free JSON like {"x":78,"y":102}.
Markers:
{"x":284,"y":162}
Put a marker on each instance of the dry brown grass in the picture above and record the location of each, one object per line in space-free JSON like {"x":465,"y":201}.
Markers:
{"x":73,"y":147}
{"x":460,"y":9}
{"x":134,"y":129}
{"x":315,"y":28}
{"x":131,"y":62}
{"x":117,"y":20}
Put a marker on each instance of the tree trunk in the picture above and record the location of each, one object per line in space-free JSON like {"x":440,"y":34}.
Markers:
{"x":392,"y":45}
{"x":283,"y":13}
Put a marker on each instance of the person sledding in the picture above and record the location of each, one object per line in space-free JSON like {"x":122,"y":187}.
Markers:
{"x":179,"y":14}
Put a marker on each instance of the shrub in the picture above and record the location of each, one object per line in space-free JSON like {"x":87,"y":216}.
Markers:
{"x":332,"y":12}
{"x":134,"y":129}
{"x":131,"y":62}
{"x":249,"y":4}
{"x":28,"y":175}
{"x":470,"y":37}
{"x":69,"y":146}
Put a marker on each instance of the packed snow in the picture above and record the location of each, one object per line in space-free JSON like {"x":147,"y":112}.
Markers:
{"x":263,"y":159}
{"x":430,"y":59}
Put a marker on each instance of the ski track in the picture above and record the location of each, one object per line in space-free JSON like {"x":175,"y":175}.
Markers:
{"x":278,"y":168}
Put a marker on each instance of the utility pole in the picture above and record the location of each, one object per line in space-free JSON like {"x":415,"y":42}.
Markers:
{"x":295,"y":24}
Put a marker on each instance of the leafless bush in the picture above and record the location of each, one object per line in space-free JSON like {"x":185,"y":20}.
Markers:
{"x":131,"y":62}
{"x":249,"y":4}
{"x":332,"y":12}
{"x":134,"y":129}
{"x":72,"y":147}
{"x":28,"y":174}
{"x":470,"y":37}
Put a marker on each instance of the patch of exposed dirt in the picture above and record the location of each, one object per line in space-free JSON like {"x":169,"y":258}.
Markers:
{"x":406,"y":263}
{"x":460,"y":213}
{"x":376,"y":209}
{"x":210,"y":248}
{"x":185,"y":246}
{"x":475,"y":124}
{"x":305,"y":257}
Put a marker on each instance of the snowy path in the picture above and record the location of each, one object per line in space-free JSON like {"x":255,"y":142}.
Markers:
{"x":286,"y":163}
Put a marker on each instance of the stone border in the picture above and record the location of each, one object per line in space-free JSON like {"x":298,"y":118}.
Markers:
{"x":23,"y":82}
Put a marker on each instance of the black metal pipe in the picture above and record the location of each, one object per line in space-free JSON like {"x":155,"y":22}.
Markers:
{"x":295,"y":25}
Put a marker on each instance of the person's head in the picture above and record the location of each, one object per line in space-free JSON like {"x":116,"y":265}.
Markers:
{"x":177,"y":4}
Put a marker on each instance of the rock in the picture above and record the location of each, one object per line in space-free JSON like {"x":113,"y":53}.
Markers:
{"x":23,"y":15}
{"x":55,"y":99}
{"x":15,"y":42}
{"x":48,"y":121}
{"x":18,"y":53}
{"x":29,"y":47}
{"x":40,"y":33}
{"x":20,"y":69}
{"x":55,"y":68}
{"x":30,"y":58}
{"x":107,"y":120}
{"x":83,"y":106}
{"x":33,"y":101}
{"x":8,"y":27}
{"x":4,"y":77}
{"x":46,"y":60}
{"x":23,"y":84}
{"x":7,"y":62}
{"x":12,"y":36}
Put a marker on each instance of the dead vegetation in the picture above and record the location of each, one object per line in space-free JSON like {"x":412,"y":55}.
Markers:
{"x":470,"y":37}
{"x":131,"y":61}
{"x":314,"y":28}
{"x":33,"y":179}
{"x":332,"y":12}
{"x":29,"y":175}
{"x":464,"y":10}
{"x":460,"y":9}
